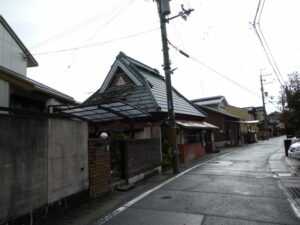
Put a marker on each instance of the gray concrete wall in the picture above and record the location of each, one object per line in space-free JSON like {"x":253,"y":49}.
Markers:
{"x":68,"y":158}
{"x":23,"y":165}
{"x":41,"y":161}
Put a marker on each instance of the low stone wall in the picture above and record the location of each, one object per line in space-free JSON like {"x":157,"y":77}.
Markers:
{"x":189,"y":152}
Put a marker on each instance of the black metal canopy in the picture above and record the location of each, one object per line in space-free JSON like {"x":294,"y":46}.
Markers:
{"x":106,"y":112}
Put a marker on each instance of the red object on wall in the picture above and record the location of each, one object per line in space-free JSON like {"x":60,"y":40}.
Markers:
{"x":189,"y":152}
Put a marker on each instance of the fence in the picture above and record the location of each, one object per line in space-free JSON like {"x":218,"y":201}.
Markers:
{"x":42,"y":160}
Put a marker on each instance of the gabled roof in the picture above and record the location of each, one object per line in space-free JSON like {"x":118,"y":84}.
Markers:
{"x":147,"y":92}
{"x":219,"y":112}
{"x":214,"y":100}
{"x":31,"y":62}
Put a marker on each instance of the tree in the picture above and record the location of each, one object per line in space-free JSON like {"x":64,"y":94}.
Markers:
{"x":290,"y":103}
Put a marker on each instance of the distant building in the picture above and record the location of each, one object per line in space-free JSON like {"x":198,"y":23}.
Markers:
{"x":257,"y":112}
{"x":216,"y":109}
{"x":250,"y":117}
{"x":275,"y":126}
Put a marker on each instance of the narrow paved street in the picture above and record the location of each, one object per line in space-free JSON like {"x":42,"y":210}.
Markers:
{"x":237,"y":188}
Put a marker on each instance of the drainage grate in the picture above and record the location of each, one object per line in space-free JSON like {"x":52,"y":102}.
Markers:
{"x":295,"y":192}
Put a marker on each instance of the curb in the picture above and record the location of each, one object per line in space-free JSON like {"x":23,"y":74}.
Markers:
{"x":294,"y":203}
{"x":288,"y":166}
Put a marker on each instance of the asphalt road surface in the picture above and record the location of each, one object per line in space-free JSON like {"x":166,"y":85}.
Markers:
{"x":236,"y":189}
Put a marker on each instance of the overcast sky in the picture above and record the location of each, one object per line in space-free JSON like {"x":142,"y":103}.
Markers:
{"x":217,"y":34}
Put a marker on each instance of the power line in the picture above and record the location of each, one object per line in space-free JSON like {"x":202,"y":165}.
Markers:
{"x":65,"y":32}
{"x":97,"y":43}
{"x":97,"y":31}
{"x":85,"y":23}
{"x":227,"y":78}
{"x":263,"y":41}
{"x":218,"y":73}
{"x":110,"y":20}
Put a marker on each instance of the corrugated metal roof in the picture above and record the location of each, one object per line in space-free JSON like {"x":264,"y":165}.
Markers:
{"x":138,"y":96}
{"x":209,"y":100}
{"x":12,"y":77}
{"x":106,"y":112}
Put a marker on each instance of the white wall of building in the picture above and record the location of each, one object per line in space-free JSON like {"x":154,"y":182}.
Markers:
{"x":11,"y":55}
{"x":4,"y":94}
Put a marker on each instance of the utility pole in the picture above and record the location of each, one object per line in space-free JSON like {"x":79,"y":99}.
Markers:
{"x":164,"y":5}
{"x":264,"y":106}
{"x":163,"y":11}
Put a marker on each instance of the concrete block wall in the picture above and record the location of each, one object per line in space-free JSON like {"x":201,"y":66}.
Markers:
{"x":41,"y":161}
{"x":67,"y":158}
{"x":99,"y":167}
{"x":141,"y":156}
{"x":23,"y":166}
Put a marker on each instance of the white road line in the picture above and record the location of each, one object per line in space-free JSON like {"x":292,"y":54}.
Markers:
{"x":133,"y":201}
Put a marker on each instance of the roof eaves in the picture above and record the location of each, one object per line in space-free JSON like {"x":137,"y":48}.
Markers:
{"x":37,"y":85}
{"x":119,"y":62}
{"x":208,"y":98}
{"x":188,"y":101}
{"x":220,"y":112}
{"x":31,"y":62}
{"x":138,"y":63}
{"x":133,"y":70}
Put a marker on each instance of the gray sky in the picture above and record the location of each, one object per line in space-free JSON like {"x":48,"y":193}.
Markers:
{"x":218,"y":34}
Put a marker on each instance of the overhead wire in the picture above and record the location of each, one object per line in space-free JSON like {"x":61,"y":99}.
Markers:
{"x":96,"y":44}
{"x":110,"y":20}
{"x":263,"y":42}
{"x":66,"y":32}
{"x":266,"y":43}
{"x":217,"y":72}
{"x":94,"y":34}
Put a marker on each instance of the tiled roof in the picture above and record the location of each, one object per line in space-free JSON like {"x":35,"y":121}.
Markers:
{"x":138,"y":96}
{"x":208,"y":101}
{"x":149,"y":94}
{"x":220,"y":112}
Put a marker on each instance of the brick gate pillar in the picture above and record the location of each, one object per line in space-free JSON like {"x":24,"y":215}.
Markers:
{"x":99,"y":167}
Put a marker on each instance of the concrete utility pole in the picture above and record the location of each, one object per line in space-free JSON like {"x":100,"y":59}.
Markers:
{"x":264,"y":106}
{"x":163,"y":11}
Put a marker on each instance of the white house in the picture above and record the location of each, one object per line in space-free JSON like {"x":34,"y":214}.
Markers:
{"x":17,"y":91}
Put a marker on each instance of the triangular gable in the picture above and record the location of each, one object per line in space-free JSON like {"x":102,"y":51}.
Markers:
{"x":119,"y":79}
{"x":31,"y":62}
{"x":109,"y":78}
